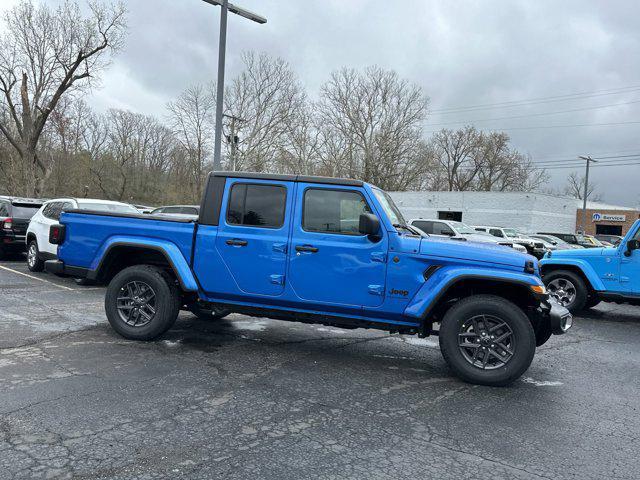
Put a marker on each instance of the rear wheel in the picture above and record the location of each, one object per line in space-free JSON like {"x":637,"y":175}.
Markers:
{"x":567,"y":288}
{"x":142,"y":302}
{"x":34,"y":262}
{"x":487,"y":340}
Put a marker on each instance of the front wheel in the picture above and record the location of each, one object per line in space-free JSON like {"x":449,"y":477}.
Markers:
{"x":567,"y":288}
{"x":142,"y":302}
{"x":487,"y":340}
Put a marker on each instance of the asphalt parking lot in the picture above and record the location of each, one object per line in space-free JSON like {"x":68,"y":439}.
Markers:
{"x":252,"y":398}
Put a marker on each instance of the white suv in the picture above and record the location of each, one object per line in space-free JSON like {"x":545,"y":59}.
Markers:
{"x":459,"y":230}
{"x":38,"y":247}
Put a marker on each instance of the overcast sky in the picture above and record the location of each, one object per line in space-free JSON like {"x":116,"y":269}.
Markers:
{"x":462,"y":53}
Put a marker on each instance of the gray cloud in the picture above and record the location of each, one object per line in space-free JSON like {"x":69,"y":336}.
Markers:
{"x":461,"y":53}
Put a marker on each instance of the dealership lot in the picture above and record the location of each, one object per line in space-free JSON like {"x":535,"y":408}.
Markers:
{"x":253,"y":398}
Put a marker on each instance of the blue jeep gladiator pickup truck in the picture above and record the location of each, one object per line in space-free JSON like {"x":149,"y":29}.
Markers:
{"x":315,"y":250}
{"x":583,"y":278}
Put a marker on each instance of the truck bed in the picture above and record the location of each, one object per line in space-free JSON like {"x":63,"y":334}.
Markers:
{"x":90,"y":233}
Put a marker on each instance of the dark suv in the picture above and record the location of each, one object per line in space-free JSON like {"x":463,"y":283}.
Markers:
{"x":15,"y":214}
{"x":572,"y":238}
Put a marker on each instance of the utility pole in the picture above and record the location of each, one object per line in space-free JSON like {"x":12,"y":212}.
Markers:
{"x":233,"y":139}
{"x":226,"y":7}
{"x":588,"y":159}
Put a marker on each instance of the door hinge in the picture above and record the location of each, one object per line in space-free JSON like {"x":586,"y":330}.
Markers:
{"x":379,"y":257}
{"x":376,"y":290}
{"x":277,"y":279}
{"x":280,"y":247}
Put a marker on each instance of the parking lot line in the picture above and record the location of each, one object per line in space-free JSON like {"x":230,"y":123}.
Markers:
{"x":34,"y":278}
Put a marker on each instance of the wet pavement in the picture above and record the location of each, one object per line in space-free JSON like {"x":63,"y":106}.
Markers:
{"x":254,"y":398}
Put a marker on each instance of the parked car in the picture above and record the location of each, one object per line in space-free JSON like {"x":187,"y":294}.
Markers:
{"x":39,"y":248}
{"x":15,"y":214}
{"x":572,"y":238}
{"x":286,"y":247}
{"x":193,"y":210}
{"x":534,"y":247}
{"x":459,"y":230}
{"x":555,"y":241}
{"x":612,"y":239}
{"x":580,"y":279}
{"x":144,"y":208}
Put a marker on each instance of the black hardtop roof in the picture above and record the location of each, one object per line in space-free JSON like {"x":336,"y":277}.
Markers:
{"x":291,"y":178}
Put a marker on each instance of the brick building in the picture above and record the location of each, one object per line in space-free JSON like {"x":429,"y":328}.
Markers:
{"x":607,"y":219}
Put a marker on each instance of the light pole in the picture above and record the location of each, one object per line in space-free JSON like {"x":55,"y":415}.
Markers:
{"x":225,"y":8}
{"x":588,"y":159}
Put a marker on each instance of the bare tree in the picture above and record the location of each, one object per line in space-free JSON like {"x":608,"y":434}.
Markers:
{"x":45,"y":54}
{"x":270,"y":100}
{"x":376,"y":119}
{"x":575,"y":188}
{"x":457,"y":153}
{"x":191,"y":119}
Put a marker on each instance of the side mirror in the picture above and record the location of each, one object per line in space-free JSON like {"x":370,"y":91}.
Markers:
{"x":369,"y":225}
{"x":631,"y":246}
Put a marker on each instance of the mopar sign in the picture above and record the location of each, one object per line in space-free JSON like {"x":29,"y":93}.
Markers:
{"x":597,"y":217}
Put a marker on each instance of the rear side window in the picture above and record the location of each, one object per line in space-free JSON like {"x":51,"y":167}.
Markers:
{"x":496,"y":233}
{"x":189,"y":210}
{"x":333,"y":211}
{"x":4,"y":210}
{"x":257,"y":205}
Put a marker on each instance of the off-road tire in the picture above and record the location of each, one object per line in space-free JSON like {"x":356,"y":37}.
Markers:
{"x":36,"y":264}
{"x":524,"y":339}
{"x":582,"y":293}
{"x":167,"y":305}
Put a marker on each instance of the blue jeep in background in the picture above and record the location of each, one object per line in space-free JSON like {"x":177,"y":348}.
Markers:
{"x":315,"y":250}
{"x":580,"y":279}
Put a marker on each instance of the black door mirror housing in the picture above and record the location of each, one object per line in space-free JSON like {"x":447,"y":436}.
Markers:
{"x":369,"y":225}
{"x":631,"y":246}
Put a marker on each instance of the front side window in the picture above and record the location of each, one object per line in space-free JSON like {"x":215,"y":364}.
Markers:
{"x":333,"y":211}
{"x":496,"y":233}
{"x":442,"y":229}
{"x":256,"y":205}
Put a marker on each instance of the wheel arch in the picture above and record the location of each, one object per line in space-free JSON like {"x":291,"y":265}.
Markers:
{"x":123,"y":254}
{"x":437,"y":294}
{"x":587,"y":278}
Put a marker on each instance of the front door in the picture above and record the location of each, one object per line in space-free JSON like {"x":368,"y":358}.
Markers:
{"x":330,"y":261}
{"x":630,"y":268}
{"x":253,"y":234}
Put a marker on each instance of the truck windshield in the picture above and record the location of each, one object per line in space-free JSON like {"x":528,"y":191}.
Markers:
{"x":464,"y":229}
{"x":389,"y":207}
{"x":510,"y":232}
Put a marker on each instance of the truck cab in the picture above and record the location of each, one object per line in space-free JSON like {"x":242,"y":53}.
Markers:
{"x":583,"y":278}
{"x":314,"y":250}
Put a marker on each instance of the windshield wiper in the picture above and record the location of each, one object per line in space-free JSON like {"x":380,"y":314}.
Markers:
{"x":408,"y":228}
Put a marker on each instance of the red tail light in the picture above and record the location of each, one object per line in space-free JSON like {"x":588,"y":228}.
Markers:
{"x":7,"y":224}
{"x":56,"y":234}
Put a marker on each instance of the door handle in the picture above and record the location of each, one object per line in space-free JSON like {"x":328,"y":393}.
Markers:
{"x":237,"y":243}
{"x":306,"y":248}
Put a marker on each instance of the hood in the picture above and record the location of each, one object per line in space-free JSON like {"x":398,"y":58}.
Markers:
{"x":474,"y":252}
{"x":583,"y":253}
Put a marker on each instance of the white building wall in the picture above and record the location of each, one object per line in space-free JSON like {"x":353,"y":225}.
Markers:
{"x":531,"y":212}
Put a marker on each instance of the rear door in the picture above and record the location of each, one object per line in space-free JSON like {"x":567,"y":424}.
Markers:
{"x":330,"y":261}
{"x":253,"y":234}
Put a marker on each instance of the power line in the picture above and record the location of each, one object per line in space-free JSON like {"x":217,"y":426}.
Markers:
{"x":560,"y":167}
{"x":532,"y":114}
{"x":567,"y":160}
{"x":610,"y":124}
{"x":534,"y":101}
{"x":563,"y":156}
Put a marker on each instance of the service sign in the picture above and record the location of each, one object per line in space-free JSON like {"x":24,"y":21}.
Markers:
{"x":603,"y":217}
